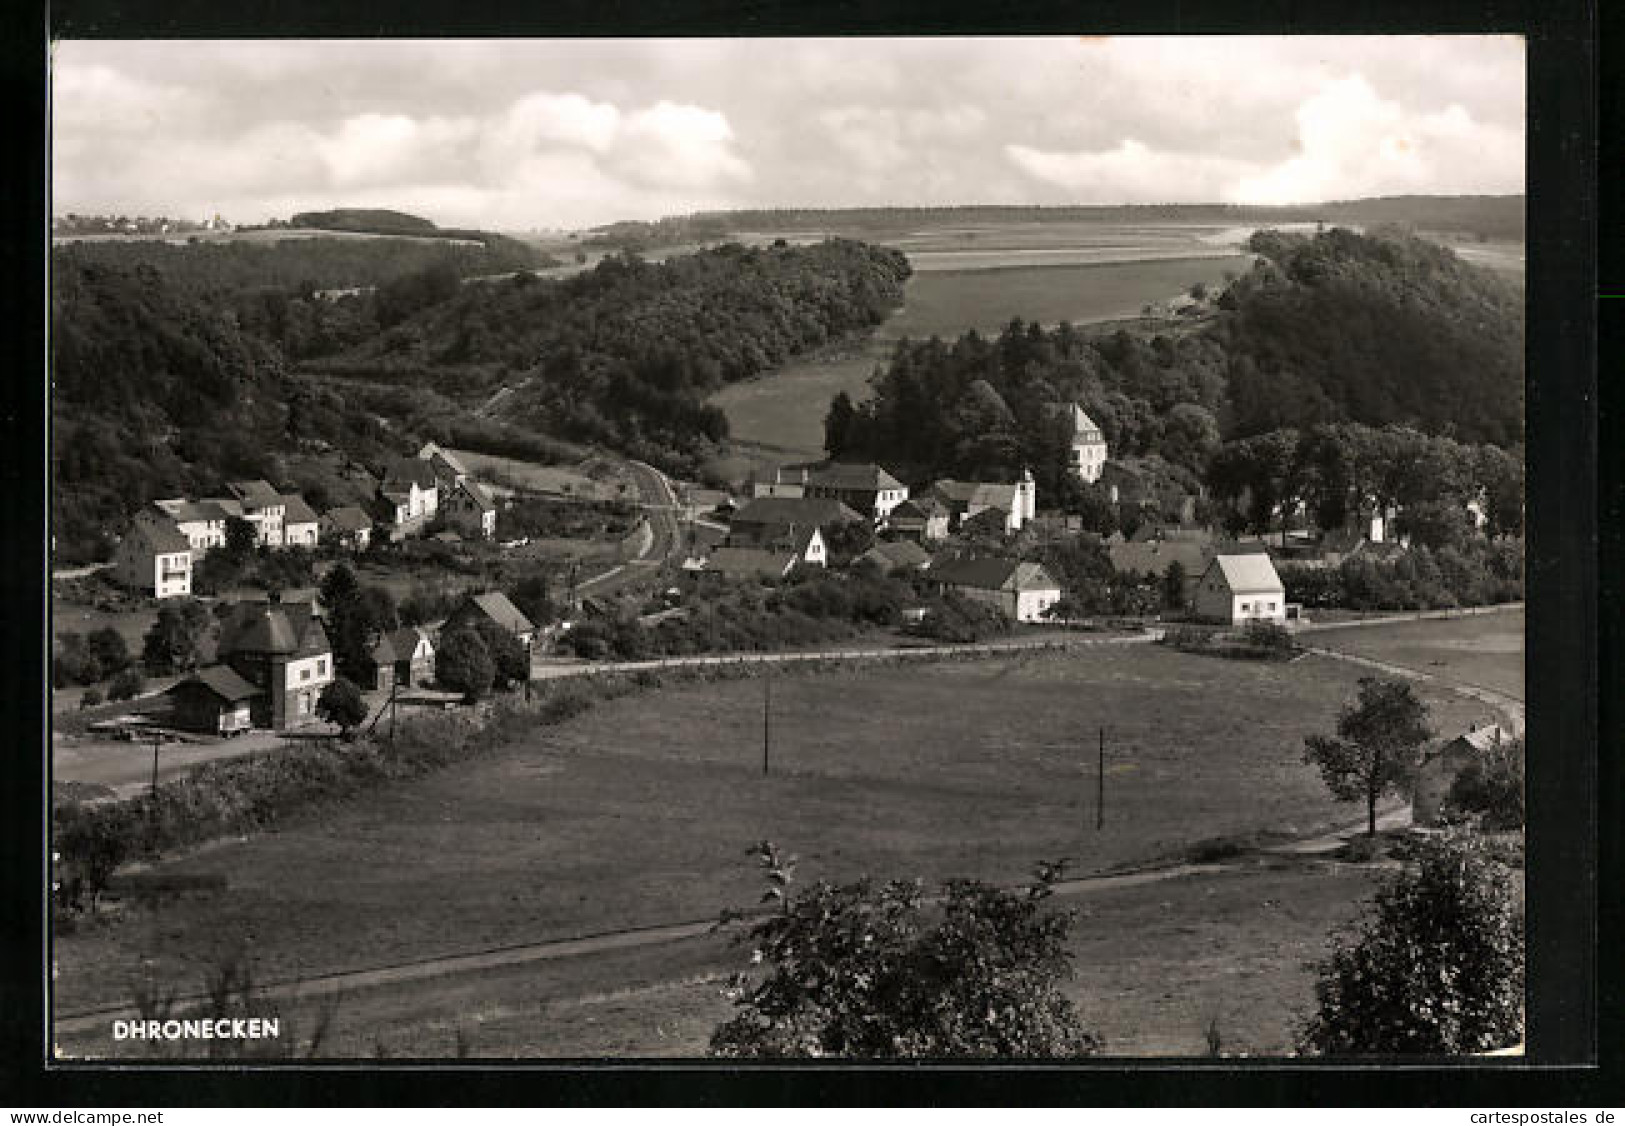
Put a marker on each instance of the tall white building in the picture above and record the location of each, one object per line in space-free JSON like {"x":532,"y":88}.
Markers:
{"x":1088,"y":452}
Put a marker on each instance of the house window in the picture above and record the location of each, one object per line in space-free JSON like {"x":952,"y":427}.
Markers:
{"x":1270,"y":607}
{"x":1246,"y":607}
{"x":304,"y":703}
{"x":304,"y":674}
{"x":321,"y":666}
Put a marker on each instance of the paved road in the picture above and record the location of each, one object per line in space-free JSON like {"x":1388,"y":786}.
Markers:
{"x":659,"y":505}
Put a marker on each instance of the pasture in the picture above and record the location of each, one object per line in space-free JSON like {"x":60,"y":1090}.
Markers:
{"x":781,"y":414}
{"x":510,"y":473}
{"x":639,"y":812}
{"x":1482,"y":649}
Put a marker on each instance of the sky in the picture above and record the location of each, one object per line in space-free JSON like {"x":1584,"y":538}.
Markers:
{"x":542,"y":134}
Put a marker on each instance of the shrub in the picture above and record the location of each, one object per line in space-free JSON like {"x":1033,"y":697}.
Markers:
{"x":90,"y":699}
{"x":1436,"y":966}
{"x":1270,"y":638}
{"x":1492,"y":787}
{"x":463,"y":664}
{"x":341,"y":702}
{"x":127,"y":685}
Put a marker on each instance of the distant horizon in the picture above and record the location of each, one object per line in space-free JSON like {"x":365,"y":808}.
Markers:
{"x":167,"y":214}
{"x":575,"y":134}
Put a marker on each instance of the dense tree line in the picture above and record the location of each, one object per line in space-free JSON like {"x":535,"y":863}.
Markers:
{"x":625,"y":354}
{"x":1333,"y":335}
{"x":1474,"y":573}
{"x":986,"y":409}
{"x":1335,"y":473}
{"x":1377,"y":329}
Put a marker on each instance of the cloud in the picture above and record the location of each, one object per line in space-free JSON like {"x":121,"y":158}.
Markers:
{"x":682,"y":146}
{"x":1353,"y":142}
{"x":1131,"y":171}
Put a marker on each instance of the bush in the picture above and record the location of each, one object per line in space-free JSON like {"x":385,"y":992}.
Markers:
{"x":1435,"y":967}
{"x":959,"y":620}
{"x":1270,"y":638}
{"x":463,"y":664}
{"x":341,"y":702}
{"x":1492,"y":787}
{"x":90,"y":699}
{"x":127,"y":685}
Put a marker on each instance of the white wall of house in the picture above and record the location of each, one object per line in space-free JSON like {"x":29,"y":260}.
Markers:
{"x":1031,"y":604}
{"x":300,"y":535}
{"x":1216,"y":602}
{"x":304,"y":680}
{"x":816,"y":554}
{"x":163,"y":574}
{"x":1088,"y":459}
{"x":888,"y":499}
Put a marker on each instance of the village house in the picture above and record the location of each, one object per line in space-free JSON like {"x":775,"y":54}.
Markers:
{"x":787,"y":522}
{"x":865,"y":488}
{"x":154,"y":558}
{"x":1440,"y":768}
{"x":410,"y":495}
{"x":492,"y":606}
{"x":965,"y":500}
{"x":1022,"y":590}
{"x":214,"y":700}
{"x":202,"y":522}
{"x":300,"y":525}
{"x":1241,"y":588}
{"x":347,"y":526}
{"x":281,"y":649}
{"x":786,"y":481}
{"x":1153,"y":557}
{"x":259,"y":504}
{"x":470,"y":509}
{"x":1086,"y":455}
{"x":402,"y":658}
{"x":923,"y":519}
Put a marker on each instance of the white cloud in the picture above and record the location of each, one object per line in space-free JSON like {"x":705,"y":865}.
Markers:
{"x":1131,"y":171}
{"x":681,"y":146}
{"x":1353,"y":142}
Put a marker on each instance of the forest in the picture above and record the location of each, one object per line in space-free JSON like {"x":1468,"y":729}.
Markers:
{"x":625,"y":353}
{"x":1337,"y":328}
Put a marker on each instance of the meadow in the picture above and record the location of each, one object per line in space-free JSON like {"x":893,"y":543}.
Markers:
{"x":1485,"y":650}
{"x":639,"y":812}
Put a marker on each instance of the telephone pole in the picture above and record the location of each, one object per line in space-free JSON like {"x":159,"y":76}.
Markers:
{"x":1100,"y":784}
{"x":767,"y":712}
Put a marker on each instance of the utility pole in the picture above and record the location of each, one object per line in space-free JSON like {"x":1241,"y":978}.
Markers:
{"x":767,"y":712}
{"x":1100,"y":784}
{"x":155,"y":741}
{"x":394,"y":689}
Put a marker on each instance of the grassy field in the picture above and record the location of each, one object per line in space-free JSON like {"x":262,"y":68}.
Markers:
{"x":1154,"y":965}
{"x":639,"y":812}
{"x":559,"y":479}
{"x":1486,"y":650}
{"x":782,"y":414}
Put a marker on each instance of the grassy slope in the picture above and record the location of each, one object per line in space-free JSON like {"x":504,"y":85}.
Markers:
{"x":639,"y":812}
{"x":785,"y":410}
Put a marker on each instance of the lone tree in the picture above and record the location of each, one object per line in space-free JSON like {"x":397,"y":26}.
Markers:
{"x":873,"y":971}
{"x":173,"y":642}
{"x":341,"y":703}
{"x":1378,"y":741}
{"x":510,"y":664}
{"x":1436,"y":966}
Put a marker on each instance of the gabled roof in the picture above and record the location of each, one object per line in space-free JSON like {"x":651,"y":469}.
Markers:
{"x":750,"y":562}
{"x":273,"y":627}
{"x":476,"y":493}
{"x":856,"y":477}
{"x":297,"y":511}
{"x":992,"y":573}
{"x":988,"y":494}
{"x":161,"y":536}
{"x":432,"y":451}
{"x":1153,"y":556}
{"x":1481,"y":739}
{"x":899,"y":553}
{"x":785,"y":511}
{"x":1248,"y":574}
{"x":496,"y":606}
{"x":349,"y":518}
{"x":184,"y":511}
{"x":401,"y":472}
{"x":254,"y":494}
{"x":405,"y":641}
{"x":1082,"y":423}
{"x":922,"y":507}
{"x":220,"y":680}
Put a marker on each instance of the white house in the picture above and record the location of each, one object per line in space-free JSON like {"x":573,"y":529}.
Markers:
{"x":259,"y":504}
{"x":301,"y":527}
{"x":865,"y":488}
{"x":347,"y":526}
{"x":449,"y":469}
{"x":965,"y":500}
{"x":411,"y":493}
{"x":202,"y":522}
{"x":1240,"y":588}
{"x":1022,"y":590}
{"x":154,"y":558}
{"x":1087,"y":455}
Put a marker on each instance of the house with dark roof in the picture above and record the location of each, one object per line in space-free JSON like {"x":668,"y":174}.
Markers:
{"x":449,"y":469}
{"x":1240,"y":588}
{"x":347,"y":526}
{"x":202,"y":522}
{"x":785,"y":481}
{"x":1024,"y":591}
{"x":281,"y":649}
{"x":154,"y":558}
{"x":896,"y":555}
{"x":214,"y":700}
{"x":750,"y":563}
{"x":492,"y":606}
{"x":469,"y":508}
{"x":409,"y":494}
{"x":866,"y":488}
{"x":1017,"y":501}
{"x":1443,"y":765}
{"x":402,"y":658}
{"x":923,"y":519}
